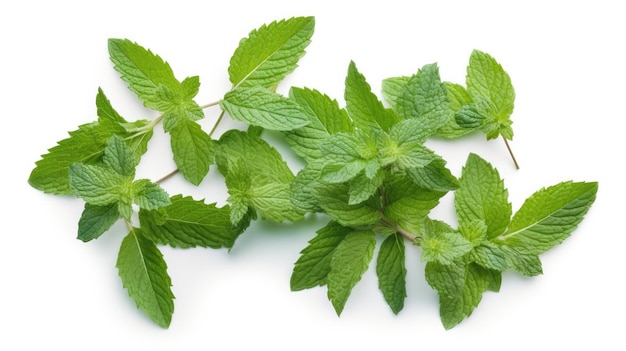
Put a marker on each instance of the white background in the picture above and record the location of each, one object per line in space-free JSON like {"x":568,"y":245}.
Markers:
{"x":566,"y":60}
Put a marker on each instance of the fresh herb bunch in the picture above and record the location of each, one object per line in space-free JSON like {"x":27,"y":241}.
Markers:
{"x":367,"y":169}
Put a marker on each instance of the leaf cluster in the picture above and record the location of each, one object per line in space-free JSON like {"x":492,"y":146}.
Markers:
{"x":367,"y":170}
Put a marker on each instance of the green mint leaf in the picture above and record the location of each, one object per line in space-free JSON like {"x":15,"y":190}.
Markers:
{"x":260,"y":107}
{"x":435,"y":176}
{"x":256,"y":176}
{"x":186,"y":223}
{"x":325,"y":118}
{"x":408,"y":205}
{"x":105,"y":110}
{"x":144,"y":274}
{"x":347,"y":154}
{"x":442,"y":244}
{"x":363,"y":106}
{"x":119,"y":157}
{"x":313,"y":265}
{"x":303,"y":188}
{"x":391,"y":271}
{"x":270,"y":53}
{"x":96,"y":220}
{"x":148,"y":195}
{"x":350,"y":260}
{"x":96,"y":185}
{"x":190,"y":87}
{"x":490,"y":256}
{"x":549,"y":216}
{"x":362,"y":187}
{"x":86,"y":145}
{"x":404,"y":146}
{"x":487,"y":80}
{"x":393,"y":88}
{"x":458,"y":99}
{"x":425,"y":98}
{"x":142,"y":70}
{"x":194,"y":150}
{"x":460,"y":287}
{"x":334,"y":199}
{"x":482,"y":196}
{"x":524,"y":263}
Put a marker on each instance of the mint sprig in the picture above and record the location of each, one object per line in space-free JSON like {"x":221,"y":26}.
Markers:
{"x":366,"y":169}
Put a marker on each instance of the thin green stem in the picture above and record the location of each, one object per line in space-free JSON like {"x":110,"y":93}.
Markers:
{"x":510,"y":152}
{"x":399,"y":230}
{"x":219,"y":119}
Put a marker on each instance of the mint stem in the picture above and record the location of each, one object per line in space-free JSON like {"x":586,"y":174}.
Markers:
{"x":510,"y":152}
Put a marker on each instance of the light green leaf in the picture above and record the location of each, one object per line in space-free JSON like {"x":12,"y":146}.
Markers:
{"x":441,"y":244}
{"x":487,"y":80}
{"x":148,"y":195}
{"x":350,"y":260}
{"x":458,"y":98}
{"x":482,"y":196}
{"x":190,"y":87}
{"x":435,"y":176}
{"x":549,"y":216}
{"x":96,"y":220}
{"x":392,"y":88}
{"x":345,"y":155}
{"x":313,"y":265}
{"x":96,"y":185}
{"x":118,"y":157}
{"x":270,"y":53}
{"x":189,"y":223}
{"x":194,"y":150}
{"x":261,"y":107}
{"x":142,"y":70}
{"x":404,"y":146}
{"x":425,"y":98}
{"x":144,"y":274}
{"x":391,"y":271}
{"x":303,"y":188}
{"x":490,"y":256}
{"x":408,"y":205}
{"x":362,"y":187}
{"x":363,"y":106}
{"x":460,"y":287}
{"x":334,"y":200}
{"x":85,"y":145}
{"x":256,"y":176}
{"x":325,"y":119}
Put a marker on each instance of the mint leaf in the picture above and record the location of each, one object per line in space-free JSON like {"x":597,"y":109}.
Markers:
{"x":548,"y":217}
{"x":95,"y":220}
{"x":408,"y":205}
{"x":96,"y":185}
{"x":142,"y":70}
{"x":256,"y":177}
{"x":118,"y":157}
{"x":186,"y":222}
{"x":271,"y":52}
{"x":303,"y":188}
{"x":261,"y":107}
{"x":392,"y":88}
{"x":313,"y":265}
{"x":193,"y":150}
{"x":325,"y":119}
{"x":85,"y":145}
{"x":347,"y":154}
{"x":362,"y":187}
{"x":363,"y":106}
{"x":148,"y":195}
{"x":490,"y":256}
{"x":404,"y":146}
{"x":435,"y":176}
{"x":482,"y":196}
{"x":458,"y":99}
{"x":460,"y":287}
{"x":350,"y":260}
{"x":425,"y":98}
{"x":391,"y":272}
{"x":487,"y":80}
{"x":334,"y":200}
{"x":144,"y":274}
{"x":442,"y":244}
